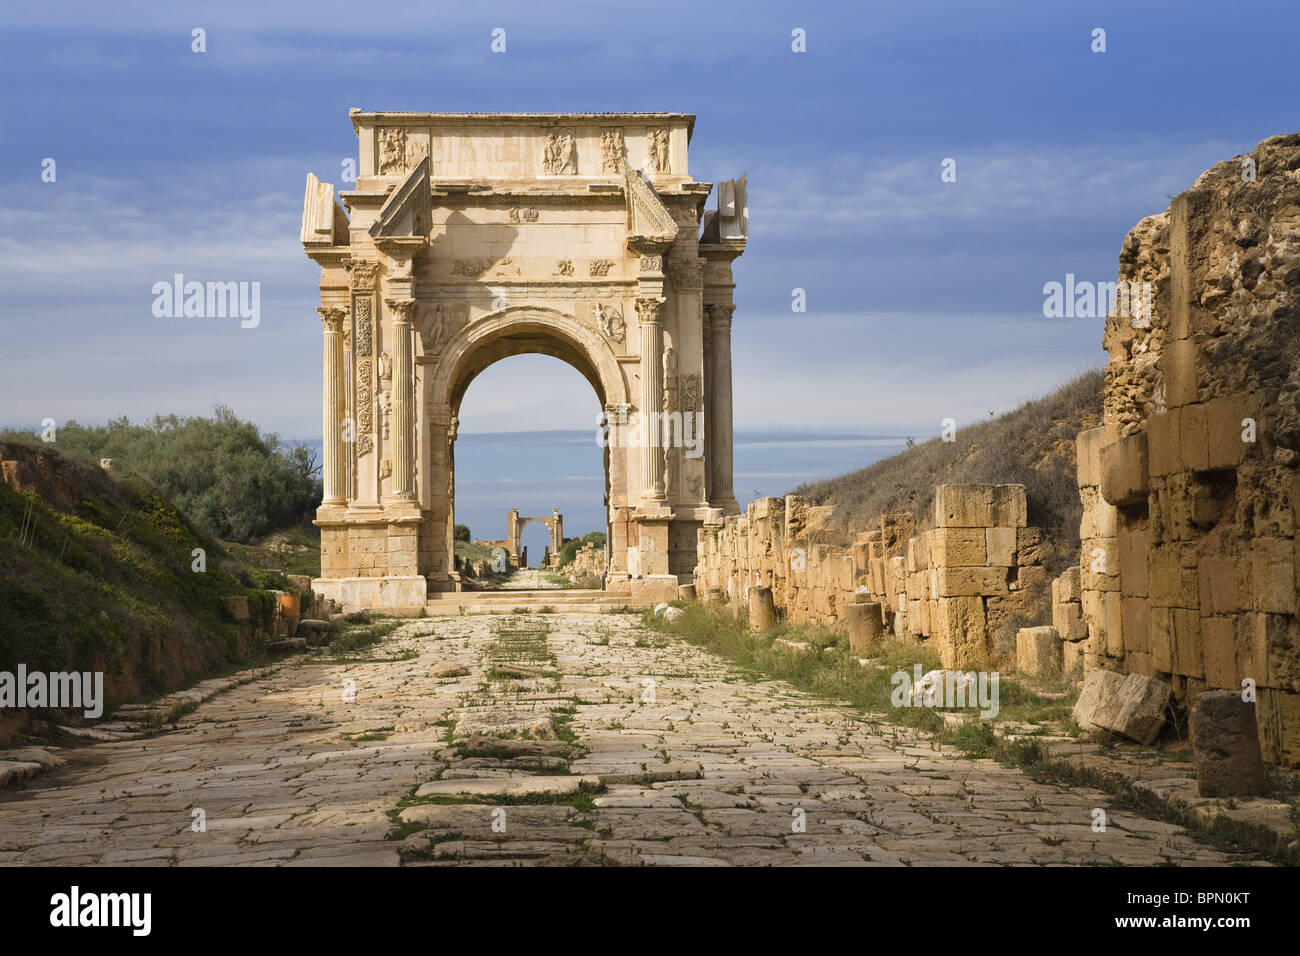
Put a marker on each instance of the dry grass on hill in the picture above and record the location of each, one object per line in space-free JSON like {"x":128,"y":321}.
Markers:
{"x":1031,"y":445}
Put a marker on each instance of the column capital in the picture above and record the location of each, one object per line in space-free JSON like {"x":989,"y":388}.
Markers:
{"x":331,"y":320}
{"x":403,"y":309}
{"x":362,"y":275}
{"x":687,"y":274}
{"x":650,"y":309}
{"x":720,"y":315}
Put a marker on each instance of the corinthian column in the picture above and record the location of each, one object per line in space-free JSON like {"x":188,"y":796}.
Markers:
{"x":403,"y":418}
{"x":334,"y":405}
{"x":721,"y":494}
{"x":650,"y":311}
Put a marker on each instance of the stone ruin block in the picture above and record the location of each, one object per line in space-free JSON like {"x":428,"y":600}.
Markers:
{"x":980,"y":506}
{"x":1088,"y":444}
{"x":970,"y":582}
{"x":1134,"y":706}
{"x":1123,"y":470}
{"x":1225,"y":745}
{"x":1000,"y":547}
{"x":1038,"y":651}
{"x":961,"y":632}
{"x":1278,"y":715}
{"x":956,"y":547}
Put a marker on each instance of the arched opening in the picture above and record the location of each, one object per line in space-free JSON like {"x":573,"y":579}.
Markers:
{"x":508,"y":358}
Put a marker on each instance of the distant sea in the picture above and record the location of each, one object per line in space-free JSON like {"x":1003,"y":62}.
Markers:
{"x":540,"y":470}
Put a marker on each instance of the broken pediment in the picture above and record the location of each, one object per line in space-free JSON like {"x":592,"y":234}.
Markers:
{"x":647,"y":217}
{"x":407,"y":213}
{"x":324,"y":223}
{"x":730,"y":221}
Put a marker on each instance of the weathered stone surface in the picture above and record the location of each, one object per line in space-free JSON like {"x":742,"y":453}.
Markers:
{"x":762,"y":609}
{"x":1099,"y":688}
{"x":1038,"y":651}
{"x":1137,"y":708}
{"x":865,"y":625}
{"x":1225,"y":745}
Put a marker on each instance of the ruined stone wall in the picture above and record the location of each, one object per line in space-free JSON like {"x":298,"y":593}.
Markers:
{"x":951,"y":586}
{"x":590,"y":561}
{"x":1189,"y":489}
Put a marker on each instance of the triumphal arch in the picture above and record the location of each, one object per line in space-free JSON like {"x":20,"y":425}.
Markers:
{"x":469,"y":238}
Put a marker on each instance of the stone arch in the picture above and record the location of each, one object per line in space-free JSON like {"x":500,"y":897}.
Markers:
{"x":518,"y":330}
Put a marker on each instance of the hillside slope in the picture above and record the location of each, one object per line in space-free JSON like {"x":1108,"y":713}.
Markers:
{"x":1031,"y":445}
{"x":97,"y":573}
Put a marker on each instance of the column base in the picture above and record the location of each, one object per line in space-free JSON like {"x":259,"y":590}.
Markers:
{"x":407,"y":592}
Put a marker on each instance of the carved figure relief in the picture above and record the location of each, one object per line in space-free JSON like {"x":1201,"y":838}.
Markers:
{"x":398,"y":153}
{"x":523,"y":214}
{"x":470,"y":267}
{"x":659,"y":151}
{"x":385,"y":366}
{"x":611,"y":150}
{"x":610,"y":322}
{"x":599,"y":267}
{"x":564,"y":267}
{"x":385,"y":469}
{"x":561,"y":156}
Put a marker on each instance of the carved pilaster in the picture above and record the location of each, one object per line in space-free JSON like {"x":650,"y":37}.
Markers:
{"x":649,"y":310}
{"x":403,"y":399}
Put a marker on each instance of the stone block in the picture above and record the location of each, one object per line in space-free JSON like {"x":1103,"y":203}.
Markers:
{"x":968,"y":582}
{"x":1273,"y":575}
{"x":1099,"y":565}
{"x":1137,"y":710}
{"x":956,"y":547}
{"x":1031,"y":578}
{"x":1000,"y":546}
{"x":961,"y":627}
{"x":1099,"y":688}
{"x":1172,"y":584}
{"x":1162,"y":639}
{"x":1223,"y":427}
{"x":1088,"y":444}
{"x":1278,"y":715}
{"x":1178,"y":363}
{"x":1193,"y":451}
{"x":1030,"y":547}
{"x":979,"y":506}
{"x":1072,"y":659}
{"x":1038,"y":651}
{"x":1219,"y":646}
{"x":1064,"y":615}
{"x":1133,"y":545}
{"x":1216,"y":577}
{"x":1162,"y":443}
{"x":1066,"y":587}
{"x":1189,"y":660}
{"x":1135,"y":617}
{"x":1225,"y":745}
{"x":1125,"y":477}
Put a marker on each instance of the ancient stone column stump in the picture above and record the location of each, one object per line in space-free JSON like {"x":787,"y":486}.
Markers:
{"x":1225,"y":744}
{"x":865,"y":624}
{"x":762,"y":609}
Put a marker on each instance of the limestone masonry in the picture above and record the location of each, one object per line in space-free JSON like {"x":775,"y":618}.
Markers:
{"x":473,"y":237}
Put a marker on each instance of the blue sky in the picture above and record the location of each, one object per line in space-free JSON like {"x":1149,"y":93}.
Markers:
{"x":924,"y":297}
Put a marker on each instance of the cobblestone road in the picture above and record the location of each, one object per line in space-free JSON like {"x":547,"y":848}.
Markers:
{"x":550,"y":739}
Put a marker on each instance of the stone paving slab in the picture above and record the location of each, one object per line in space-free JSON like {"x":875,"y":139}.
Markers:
{"x":713,"y":768}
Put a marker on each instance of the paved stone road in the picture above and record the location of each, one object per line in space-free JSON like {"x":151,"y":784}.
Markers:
{"x":697,"y":765}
